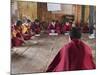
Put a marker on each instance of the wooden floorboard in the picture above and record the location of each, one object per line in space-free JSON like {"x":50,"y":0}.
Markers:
{"x":39,"y":55}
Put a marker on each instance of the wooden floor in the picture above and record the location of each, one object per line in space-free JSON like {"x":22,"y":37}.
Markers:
{"x":37,"y":57}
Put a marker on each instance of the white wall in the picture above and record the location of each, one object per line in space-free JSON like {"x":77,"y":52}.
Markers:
{"x":65,"y":9}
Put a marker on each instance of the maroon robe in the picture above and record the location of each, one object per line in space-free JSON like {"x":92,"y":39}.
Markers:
{"x":85,"y":29}
{"x":73,"y":56}
{"x":16,"y":41}
{"x":36,"y":28}
{"x":27,"y":36}
{"x":56,"y":28}
{"x":66,"y":28}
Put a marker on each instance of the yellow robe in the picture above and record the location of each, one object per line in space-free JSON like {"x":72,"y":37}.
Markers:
{"x":24,"y":28}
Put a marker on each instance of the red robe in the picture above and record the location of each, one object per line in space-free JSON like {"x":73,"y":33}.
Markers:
{"x":73,"y":56}
{"x":36,"y":28}
{"x":15,"y":41}
{"x":26,"y":32}
{"x":85,"y":29}
{"x":57,"y":28}
{"x":15,"y":38}
{"x":66,"y":28}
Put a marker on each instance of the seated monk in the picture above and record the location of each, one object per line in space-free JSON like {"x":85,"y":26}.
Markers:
{"x":85,"y":29}
{"x":58,"y":27}
{"x":29,"y":27}
{"x":54,"y":27}
{"x":76,"y":55}
{"x":36,"y":27}
{"x":66,"y":27}
{"x":17,"y":38}
{"x":26,"y":31}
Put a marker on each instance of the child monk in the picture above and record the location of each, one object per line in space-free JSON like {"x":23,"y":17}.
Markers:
{"x":58,"y":27}
{"x":36,"y":26}
{"x":85,"y":28}
{"x":76,"y":55}
{"x":54,"y":27}
{"x":66,"y":27}
{"x":26,"y":30}
{"x":17,"y":37}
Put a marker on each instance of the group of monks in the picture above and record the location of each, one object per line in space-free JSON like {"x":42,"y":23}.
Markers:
{"x":76,"y":55}
{"x":22,"y":31}
{"x":62,"y":28}
{"x":56,"y":27}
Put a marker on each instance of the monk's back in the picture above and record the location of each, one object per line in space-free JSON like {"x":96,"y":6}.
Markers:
{"x":79,"y":55}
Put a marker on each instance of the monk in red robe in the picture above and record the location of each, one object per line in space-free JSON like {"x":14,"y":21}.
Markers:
{"x":75,"y":55}
{"x":26,"y":30}
{"x":17,"y":37}
{"x":36,"y":27}
{"x":85,"y":29}
{"x":66,"y":27}
{"x":58,"y":27}
{"x":54,"y":27}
